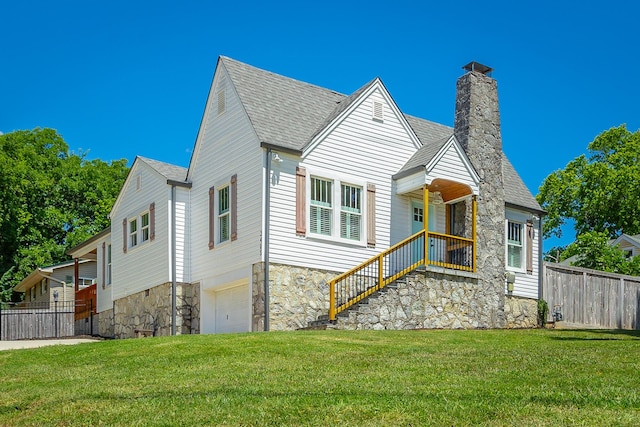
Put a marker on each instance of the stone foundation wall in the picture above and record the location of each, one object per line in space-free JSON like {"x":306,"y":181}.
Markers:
{"x":428,"y":300}
{"x":105,"y":324}
{"x":151,"y":310}
{"x":297,"y":296}
{"x":520,"y":312}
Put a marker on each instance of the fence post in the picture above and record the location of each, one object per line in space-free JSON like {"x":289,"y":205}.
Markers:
{"x":91,"y":315}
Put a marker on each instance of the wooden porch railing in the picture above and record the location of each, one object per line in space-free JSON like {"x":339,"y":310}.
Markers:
{"x":400,"y":259}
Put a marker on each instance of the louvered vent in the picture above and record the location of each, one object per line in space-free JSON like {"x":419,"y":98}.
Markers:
{"x":378,"y":112}
{"x":221,"y":101}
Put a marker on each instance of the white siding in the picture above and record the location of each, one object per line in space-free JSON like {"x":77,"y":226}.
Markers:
{"x":451,"y":166}
{"x":526,"y":285}
{"x":183,"y":229}
{"x":359,"y":148}
{"x":148,"y":264}
{"x":104,"y":298}
{"x":226,"y":146}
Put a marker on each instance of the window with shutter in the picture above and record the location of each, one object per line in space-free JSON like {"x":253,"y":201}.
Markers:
{"x":223,"y":214}
{"x":320,"y":207}
{"x":350,"y":212}
{"x":515,"y":240}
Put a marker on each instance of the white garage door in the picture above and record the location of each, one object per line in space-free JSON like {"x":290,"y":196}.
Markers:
{"x":232,"y":310}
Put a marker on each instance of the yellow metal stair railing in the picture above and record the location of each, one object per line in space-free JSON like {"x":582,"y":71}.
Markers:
{"x":443,"y":250}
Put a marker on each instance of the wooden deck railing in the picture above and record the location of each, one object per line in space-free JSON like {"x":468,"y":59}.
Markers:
{"x":400,"y":259}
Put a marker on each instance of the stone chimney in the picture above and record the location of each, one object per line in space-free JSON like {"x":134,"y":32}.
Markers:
{"x":477,"y":129}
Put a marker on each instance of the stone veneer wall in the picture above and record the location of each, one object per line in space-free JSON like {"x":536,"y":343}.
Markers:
{"x":520,"y":312}
{"x":105,"y":324}
{"x":151,"y":310}
{"x":297,"y":296}
{"x":426,"y":299}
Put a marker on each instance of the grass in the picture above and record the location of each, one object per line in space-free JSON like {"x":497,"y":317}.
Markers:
{"x":365,"y":378}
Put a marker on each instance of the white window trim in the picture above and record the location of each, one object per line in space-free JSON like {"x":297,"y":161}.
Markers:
{"x":523,"y":233}
{"x":139,"y":233}
{"x":226,"y":186}
{"x":336,"y":208}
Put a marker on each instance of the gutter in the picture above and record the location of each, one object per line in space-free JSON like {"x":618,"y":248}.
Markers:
{"x":173,"y":258}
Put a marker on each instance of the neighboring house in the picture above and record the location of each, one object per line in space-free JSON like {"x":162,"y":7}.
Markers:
{"x":630,"y":245}
{"x":44,"y":283}
{"x":292,"y":188}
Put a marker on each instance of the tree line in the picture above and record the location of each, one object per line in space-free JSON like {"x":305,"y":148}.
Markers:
{"x":51,"y":199}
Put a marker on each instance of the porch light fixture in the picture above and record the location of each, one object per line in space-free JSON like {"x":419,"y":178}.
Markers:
{"x":436,"y":199}
{"x":276,"y":158}
{"x":55,"y":295}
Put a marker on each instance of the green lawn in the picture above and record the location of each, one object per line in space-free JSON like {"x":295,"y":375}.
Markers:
{"x":386,"y":378}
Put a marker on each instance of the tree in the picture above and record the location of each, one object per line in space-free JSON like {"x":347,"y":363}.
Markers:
{"x":600,"y":192}
{"x":50,"y":200}
{"x":593,"y":250}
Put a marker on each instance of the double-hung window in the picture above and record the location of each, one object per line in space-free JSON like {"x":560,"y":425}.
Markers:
{"x":336,"y":209}
{"x":133,"y":232}
{"x":515,"y":245}
{"x":350,"y":212}
{"x":144,"y":224}
{"x":223,"y":214}
{"x":321,"y":206}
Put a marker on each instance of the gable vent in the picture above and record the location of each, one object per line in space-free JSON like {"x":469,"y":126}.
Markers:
{"x":378,"y":112}
{"x":221,"y":101}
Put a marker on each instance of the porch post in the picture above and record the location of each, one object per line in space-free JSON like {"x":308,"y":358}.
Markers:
{"x":425,"y":220}
{"x":76,"y":272}
{"x":473,"y":231}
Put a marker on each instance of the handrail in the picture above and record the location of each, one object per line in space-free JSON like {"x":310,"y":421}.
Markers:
{"x":443,"y":250}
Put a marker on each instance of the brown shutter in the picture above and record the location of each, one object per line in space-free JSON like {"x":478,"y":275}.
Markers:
{"x":212,"y":235}
{"x":371,"y":215}
{"x":234,"y":206}
{"x":124,"y":235}
{"x":301,"y":201}
{"x":152,"y":221}
{"x":530,"y":247}
{"x":104,"y":260}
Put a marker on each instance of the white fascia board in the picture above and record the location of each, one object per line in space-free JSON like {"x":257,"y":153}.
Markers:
{"x":411,"y":182}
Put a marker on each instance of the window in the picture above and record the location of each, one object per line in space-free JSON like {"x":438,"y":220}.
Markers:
{"x":108,"y":264}
{"x":628,"y":253}
{"x":144,"y":223}
{"x":320,"y":209}
{"x":133,"y":232}
{"x":32,"y":293}
{"x":43,"y":286}
{"x":350,"y":212}
{"x":515,"y":244}
{"x":223,"y":214}
{"x":85,"y":281}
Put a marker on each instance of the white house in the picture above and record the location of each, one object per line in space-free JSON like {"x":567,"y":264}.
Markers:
{"x":300,"y":202}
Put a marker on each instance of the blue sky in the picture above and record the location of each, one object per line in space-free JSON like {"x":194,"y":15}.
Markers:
{"x":127,"y":78}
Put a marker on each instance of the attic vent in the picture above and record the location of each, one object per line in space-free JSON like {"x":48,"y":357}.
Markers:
{"x":378,"y":112}
{"x":138,"y":182}
{"x":221,"y":101}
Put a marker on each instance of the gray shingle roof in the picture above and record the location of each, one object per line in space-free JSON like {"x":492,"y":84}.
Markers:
{"x":284,"y":112}
{"x":169,"y":171}
{"x":287,"y":113}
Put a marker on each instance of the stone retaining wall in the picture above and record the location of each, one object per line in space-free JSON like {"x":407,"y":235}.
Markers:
{"x":151,"y":310}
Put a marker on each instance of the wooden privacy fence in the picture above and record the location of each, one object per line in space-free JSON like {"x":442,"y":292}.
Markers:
{"x":37,"y":320}
{"x":592,"y":298}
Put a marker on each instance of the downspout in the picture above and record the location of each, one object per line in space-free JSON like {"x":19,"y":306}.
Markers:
{"x":540,"y":263}
{"x":173,"y":259}
{"x":267,"y":214}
